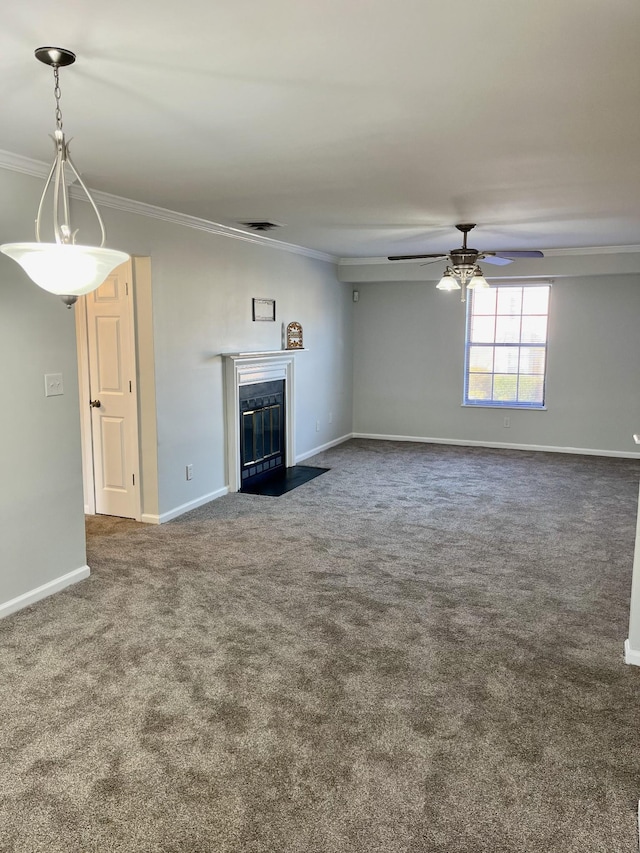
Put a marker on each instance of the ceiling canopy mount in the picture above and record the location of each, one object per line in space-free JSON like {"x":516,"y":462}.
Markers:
{"x":56,"y":57}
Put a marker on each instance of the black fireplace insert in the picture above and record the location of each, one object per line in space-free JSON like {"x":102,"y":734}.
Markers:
{"x":262,"y":431}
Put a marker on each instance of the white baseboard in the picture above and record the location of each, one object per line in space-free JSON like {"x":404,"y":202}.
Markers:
{"x":631,"y":656}
{"x":147,"y":518}
{"x":43,"y":591}
{"x":302,"y":456}
{"x":543,"y":448}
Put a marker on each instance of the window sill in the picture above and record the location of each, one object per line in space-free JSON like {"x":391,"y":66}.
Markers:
{"x":503,"y":406}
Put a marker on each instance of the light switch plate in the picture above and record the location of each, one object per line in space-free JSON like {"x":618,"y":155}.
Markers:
{"x":636,"y":437}
{"x":53,"y":384}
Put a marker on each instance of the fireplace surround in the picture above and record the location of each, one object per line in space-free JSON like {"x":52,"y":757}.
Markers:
{"x":252,"y":368}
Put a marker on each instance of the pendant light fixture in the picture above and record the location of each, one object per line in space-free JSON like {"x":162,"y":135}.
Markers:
{"x":63,"y":267}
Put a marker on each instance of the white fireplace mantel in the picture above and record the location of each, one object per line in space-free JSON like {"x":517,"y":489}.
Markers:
{"x":247,"y":368}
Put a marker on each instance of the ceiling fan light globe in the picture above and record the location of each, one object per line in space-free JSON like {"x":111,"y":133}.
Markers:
{"x":448,"y":282}
{"x":477,"y":280}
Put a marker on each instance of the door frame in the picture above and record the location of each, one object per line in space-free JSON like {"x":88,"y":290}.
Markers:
{"x":84,"y":395}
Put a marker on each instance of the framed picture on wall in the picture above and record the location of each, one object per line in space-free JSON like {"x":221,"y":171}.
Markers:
{"x":264,"y":309}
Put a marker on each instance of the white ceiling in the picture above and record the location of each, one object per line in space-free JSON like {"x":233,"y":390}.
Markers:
{"x":365,"y":127}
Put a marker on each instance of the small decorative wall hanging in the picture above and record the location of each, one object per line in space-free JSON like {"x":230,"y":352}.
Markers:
{"x":294,"y":336}
{"x":264,"y":309}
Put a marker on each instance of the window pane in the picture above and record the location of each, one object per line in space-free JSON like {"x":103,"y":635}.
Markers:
{"x":532,"y":360}
{"x":506,"y":360}
{"x":535,"y":300}
{"x":481,"y":359}
{"x":479,"y":386}
{"x":482,"y":330}
{"x":505,"y":387}
{"x":534,"y":330}
{"x":531,"y":389}
{"x":507,"y":330}
{"x":509,"y":300}
{"x":484,"y":301}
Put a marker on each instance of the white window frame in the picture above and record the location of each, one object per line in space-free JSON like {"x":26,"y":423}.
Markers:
{"x":505,"y":404}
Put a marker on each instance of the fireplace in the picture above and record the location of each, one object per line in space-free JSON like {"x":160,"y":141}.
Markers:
{"x":245,"y":374}
{"x":262,"y":431}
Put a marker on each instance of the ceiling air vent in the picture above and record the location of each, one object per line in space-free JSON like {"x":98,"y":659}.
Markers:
{"x":262,"y":225}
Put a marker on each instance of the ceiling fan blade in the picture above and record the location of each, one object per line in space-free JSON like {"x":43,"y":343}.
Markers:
{"x":494,"y":259}
{"x":531,"y":254}
{"x":433,"y":260}
{"x":413,"y":257}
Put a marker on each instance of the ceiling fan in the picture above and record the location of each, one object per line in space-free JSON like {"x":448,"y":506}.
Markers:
{"x":462,"y":271}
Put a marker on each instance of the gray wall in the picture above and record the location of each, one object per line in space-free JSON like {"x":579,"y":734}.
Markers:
{"x":41,"y":506}
{"x":409,"y":361}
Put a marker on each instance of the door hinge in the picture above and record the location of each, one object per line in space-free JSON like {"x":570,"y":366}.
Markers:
{"x":126,"y":287}
{"x":129,"y":386}
{"x":133,"y":477}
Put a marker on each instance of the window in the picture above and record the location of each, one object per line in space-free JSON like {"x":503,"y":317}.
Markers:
{"x":506,"y":349}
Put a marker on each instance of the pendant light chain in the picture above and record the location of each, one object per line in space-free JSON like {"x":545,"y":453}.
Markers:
{"x":57,"y":93}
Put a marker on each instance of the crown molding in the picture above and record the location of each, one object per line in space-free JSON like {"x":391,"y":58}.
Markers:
{"x":18,"y":163}
{"x":129,"y":205}
{"x":592,"y":250}
{"x":38,"y":169}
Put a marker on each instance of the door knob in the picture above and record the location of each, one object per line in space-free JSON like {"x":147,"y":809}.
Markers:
{"x":95,"y":404}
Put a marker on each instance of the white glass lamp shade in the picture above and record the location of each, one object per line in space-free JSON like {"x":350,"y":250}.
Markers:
{"x":478,"y":280}
{"x":65,"y":269}
{"x":448,"y":282}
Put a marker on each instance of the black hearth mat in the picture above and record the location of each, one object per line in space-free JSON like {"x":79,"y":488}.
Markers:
{"x":279,"y":484}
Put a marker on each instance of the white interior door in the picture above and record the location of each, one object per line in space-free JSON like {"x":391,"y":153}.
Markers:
{"x":113,"y":398}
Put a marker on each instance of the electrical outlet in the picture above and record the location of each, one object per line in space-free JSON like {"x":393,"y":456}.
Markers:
{"x":189,"y":472}
{"x":53,"y":384}
{"x":317,"y":426}
{"x":507,"y":422}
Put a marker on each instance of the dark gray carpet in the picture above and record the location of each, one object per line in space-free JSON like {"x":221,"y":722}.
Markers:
{"x":420,"y":650}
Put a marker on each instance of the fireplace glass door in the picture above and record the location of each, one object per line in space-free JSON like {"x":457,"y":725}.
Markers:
{"x":262,"y":431}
